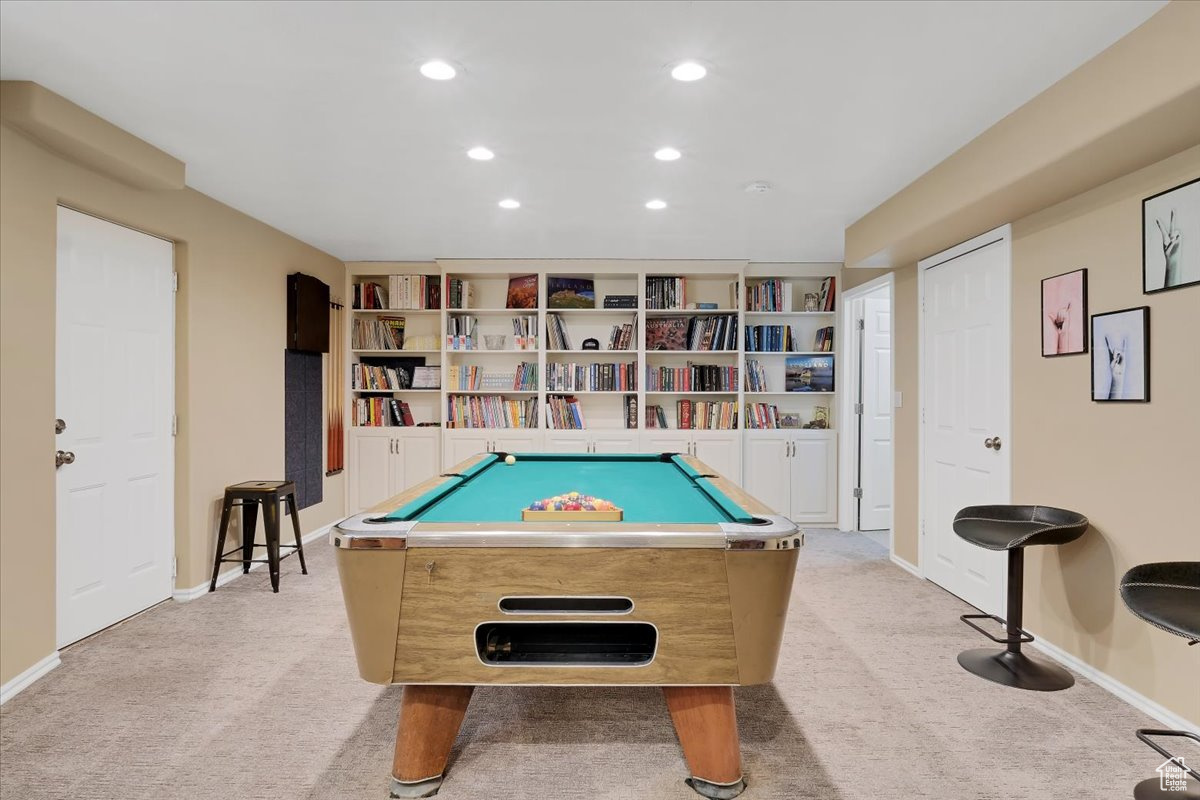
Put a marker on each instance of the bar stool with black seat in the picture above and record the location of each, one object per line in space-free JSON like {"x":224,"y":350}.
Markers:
{"x":1167,"y":595}
{"x":250,"y":495}
{"x":1013,"y":528}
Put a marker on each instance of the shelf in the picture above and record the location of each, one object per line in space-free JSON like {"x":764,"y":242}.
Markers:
{"x":757,"y":353}
{"x":675,"y":312}
{"x":476,"y":351}
{"x":492,"y":391}
{"x":396,"y":352}
{"x":790,"y":313}
{"x":694,"y":391}
{"x":396,"y":311}
{"x":589,"y":352}
{"x":692,"y":352}
{"x":785,"y":394}
{"x":565,"y":392}
{"x":584,"y":312}
{"x":491,"y":312}
{"x":397,"y":391}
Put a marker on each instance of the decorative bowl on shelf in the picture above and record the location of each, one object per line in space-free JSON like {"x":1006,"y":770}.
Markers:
{"x":495,"y":341}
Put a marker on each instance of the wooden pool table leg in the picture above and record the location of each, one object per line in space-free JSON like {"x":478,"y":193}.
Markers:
{"x":706,"y":724}
{"x":430,"y":717}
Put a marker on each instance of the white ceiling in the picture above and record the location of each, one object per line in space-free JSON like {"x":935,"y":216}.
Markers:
{"x":312,"y":116}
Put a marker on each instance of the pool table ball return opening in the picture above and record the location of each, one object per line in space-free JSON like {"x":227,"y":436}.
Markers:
{"x":446,"y":588}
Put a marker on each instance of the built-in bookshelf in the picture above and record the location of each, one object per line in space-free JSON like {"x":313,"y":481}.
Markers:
{"x":558,"y":346}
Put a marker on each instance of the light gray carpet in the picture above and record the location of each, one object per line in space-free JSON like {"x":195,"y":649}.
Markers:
{"x":246,"y":694}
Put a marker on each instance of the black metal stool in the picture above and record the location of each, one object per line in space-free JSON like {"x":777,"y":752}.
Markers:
{"x":1013,"y":528}
{"x":1167,"y":595}
{"x":250,"y":495}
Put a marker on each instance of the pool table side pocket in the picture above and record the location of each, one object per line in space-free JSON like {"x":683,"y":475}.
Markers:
{"x":760,"y":586}
{"x":372,"y":582}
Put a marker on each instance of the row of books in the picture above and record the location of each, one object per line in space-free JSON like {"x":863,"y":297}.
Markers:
{"x":827,"y":300}
{"x":473,"y":378}
{"x":490,"y":411}
{"x":591,"y":377}
{"x":460,"y":332}
{"x":382,"y":378}
{"x":706,"y":415}
{"x":668,"y":292}
{"x":556,"y":333}
{"x":823,"y":340}
{"x":692,"y":378}
{"x":621,"y":337}
{"x":770,"y":339}
{"x":564,"y":413}
{"x":656,"y":417}
{"x":762,"y":416}
{"x":459,"y":293}
{"x":773,"y":294}
{"x":756,"y":376}
{"x":709,"y":332}
{"x":383,"y":333}
{"x":381,"y":412}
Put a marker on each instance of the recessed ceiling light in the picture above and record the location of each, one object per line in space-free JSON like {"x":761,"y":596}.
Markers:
{"x":757,"y":187}
{"x":481,"y":154}
{"x":667,"y":154}
{"x":688,"y":71}
{"x":656,"y":205}
{"x":508,"y":202}
{"x":438,"y":70}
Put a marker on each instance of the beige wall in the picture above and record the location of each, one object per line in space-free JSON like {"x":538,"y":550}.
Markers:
{"x":1132,"y":469}
{"x":229,"y":384}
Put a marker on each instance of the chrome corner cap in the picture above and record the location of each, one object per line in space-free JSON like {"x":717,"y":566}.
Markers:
{"x":370,"y":532}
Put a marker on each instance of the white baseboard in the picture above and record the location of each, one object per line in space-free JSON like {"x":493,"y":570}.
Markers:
{"x":14,"y":687}
{"x":1115,"y":687}
{"x":906,"y":566}
{"x":185,"y":595}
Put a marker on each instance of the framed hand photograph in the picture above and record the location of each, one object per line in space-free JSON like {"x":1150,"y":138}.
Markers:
{"x":1171,"y":239}
{"x":1121,"y":356}
{"x":1064,"y":314}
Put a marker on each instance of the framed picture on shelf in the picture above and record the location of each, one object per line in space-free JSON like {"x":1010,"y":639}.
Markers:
{"x":1121,"y":356}
{"x":570,"y":293}
{"x":789,"y":420}
{"x":427,"y":378}
{"x":1171,"y":239}
{"x":811,"y":301}
{"x":1064,"y":314}
{"x":522,"y":292}
{"x":809,"y":374}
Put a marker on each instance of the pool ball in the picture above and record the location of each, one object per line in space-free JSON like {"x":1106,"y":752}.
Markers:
{"x":510,"y":460}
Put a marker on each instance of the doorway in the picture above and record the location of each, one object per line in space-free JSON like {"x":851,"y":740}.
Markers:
{"x":115,"y":399}
{"x":868,"y":405}
{"x":965,"y":424}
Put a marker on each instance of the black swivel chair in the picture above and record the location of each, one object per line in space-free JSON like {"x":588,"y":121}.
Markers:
{"x":1013,"y":528}
{"x":1167,"y":595}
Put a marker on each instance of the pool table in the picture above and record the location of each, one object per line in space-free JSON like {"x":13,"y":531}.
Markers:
{"x":446,"y":588}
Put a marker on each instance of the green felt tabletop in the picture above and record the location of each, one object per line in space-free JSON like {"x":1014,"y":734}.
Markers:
{"x":646,"y":487}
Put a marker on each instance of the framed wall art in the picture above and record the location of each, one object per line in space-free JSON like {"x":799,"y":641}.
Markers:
{"x":1121,"y":356}
{"x":1065,"y":314}
{"x":1171,"y":239}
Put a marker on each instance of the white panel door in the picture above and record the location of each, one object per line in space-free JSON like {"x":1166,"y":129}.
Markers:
{"x":814,"y":478}
{"x":615,"y":442}
{"x":965,"y":390}
{"x":371,"y":451}
{"x":768,"y":469}
{"x":417,"y":458}
{"x":115,"y":389}
{"x":875,"y":435}
{"x":721,"y":450}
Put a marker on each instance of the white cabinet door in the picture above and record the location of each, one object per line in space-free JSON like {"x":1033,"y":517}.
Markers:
{"x":417,"y":458}
{"x":461,"y":445}
{"x":516,"y":441}
{"x":567,"y":441}
{"x":370,"y":467}
{"x":768,"y":474}
{"x":666,"y":441}
{"x":814,"y":478}
{"x":721,"y":450}
{"x":614,"y":442}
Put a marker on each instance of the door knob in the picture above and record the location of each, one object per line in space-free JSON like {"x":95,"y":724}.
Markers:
{"x":63,"y":457}
{"x":992,"y":443}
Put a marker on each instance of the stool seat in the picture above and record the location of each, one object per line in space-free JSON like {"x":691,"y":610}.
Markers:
{"x":1167,"y":595}
{"x":1007,"y":527}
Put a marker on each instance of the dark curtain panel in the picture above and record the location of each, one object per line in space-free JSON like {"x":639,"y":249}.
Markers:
{"x":303,"y":425}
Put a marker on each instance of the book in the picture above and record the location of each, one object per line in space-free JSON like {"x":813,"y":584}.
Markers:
{"x":666,"y":333}
{"x":809,"y":374}
{"x":570,"y":292}
{"x":620,"y":301}
{"x":522,"y":292}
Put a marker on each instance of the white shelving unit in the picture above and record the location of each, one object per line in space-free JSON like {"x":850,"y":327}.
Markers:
{"x":752,"y":457}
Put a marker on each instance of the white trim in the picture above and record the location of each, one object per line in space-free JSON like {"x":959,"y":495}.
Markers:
{"x":21,"y":682}
{"x":1003,"y":235}
{"x":1116,"y":688}
{"x":186,"y":595}
{"x":907,"y":566}
{"x":847,"y":444}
